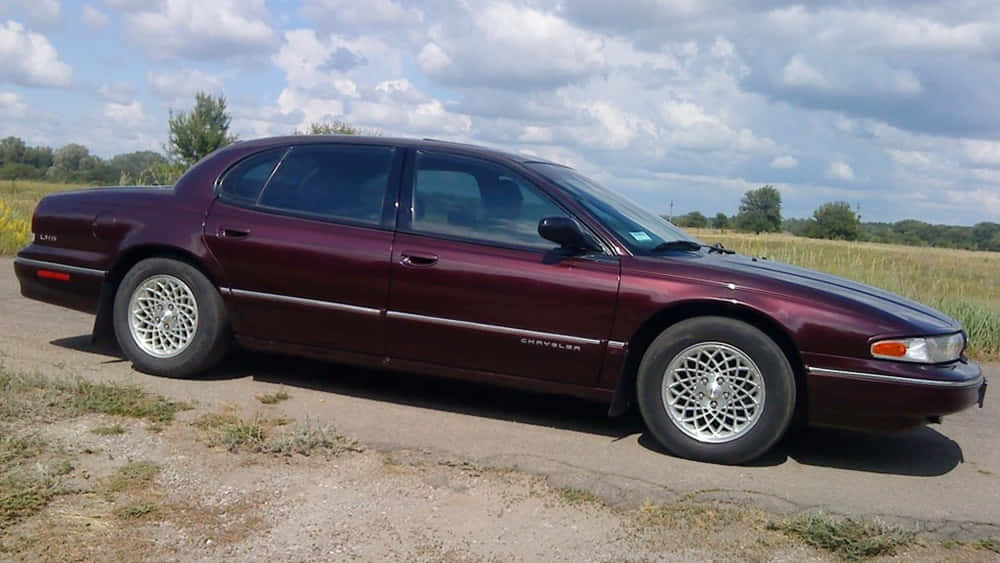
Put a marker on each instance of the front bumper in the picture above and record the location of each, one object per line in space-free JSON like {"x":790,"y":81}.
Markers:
{"x":888,"y":396}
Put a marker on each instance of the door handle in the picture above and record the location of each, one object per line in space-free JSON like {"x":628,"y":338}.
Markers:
{"x":234,"y":232}
{"x":418,"y":259}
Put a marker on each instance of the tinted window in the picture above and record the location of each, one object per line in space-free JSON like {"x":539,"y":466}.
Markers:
{"x":337,"y":182}
{"x":473,"y":199}
{"x":245,"y":180}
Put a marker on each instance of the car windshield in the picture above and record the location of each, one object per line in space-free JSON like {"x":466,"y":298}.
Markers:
{"x":641,"y":231}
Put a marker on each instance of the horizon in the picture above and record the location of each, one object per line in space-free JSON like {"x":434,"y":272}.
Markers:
{"x":892,"y":106}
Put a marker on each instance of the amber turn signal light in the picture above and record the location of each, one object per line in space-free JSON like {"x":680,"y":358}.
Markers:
{"x":889,"y":348}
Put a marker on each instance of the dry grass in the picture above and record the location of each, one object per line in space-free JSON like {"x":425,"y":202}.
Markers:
{"x":964,"y":284}
{"x":259,"y":435}
{"x":851,"y":539}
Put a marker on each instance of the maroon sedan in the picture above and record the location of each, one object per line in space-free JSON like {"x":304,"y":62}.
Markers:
{"x":464,"y":262}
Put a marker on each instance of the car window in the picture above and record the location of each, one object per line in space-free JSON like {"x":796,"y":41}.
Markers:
{"x":335,"y":182}
{"x":469,"y":198}
{"x":245,"y":180}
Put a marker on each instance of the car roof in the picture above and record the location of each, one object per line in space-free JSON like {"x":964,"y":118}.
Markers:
{"x":464,"y":148}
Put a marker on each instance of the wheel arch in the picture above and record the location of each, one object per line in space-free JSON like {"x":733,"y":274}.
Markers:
{"x":624,"y":395}
{"x":104,"y":322}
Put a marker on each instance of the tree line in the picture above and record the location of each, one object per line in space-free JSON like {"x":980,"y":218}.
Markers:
{"x":760,"y":211}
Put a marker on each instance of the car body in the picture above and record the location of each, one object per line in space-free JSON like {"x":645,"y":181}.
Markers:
{"x":425,"y":256}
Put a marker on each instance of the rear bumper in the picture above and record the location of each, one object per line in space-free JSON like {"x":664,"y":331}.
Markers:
{"x":889,"y":396}
{"x":60,"y":284}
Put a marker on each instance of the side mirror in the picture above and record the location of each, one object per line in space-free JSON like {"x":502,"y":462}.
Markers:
{"x":566,"y":233}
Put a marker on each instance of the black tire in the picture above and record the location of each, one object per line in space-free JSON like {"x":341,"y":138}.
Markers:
{"x":211,"y":339}
{"x":778,"y":384}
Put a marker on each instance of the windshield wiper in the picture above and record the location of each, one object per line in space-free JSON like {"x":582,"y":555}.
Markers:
{"x":692,"y":246}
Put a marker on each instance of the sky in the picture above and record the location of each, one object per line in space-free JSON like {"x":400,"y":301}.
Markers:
{"x":893,"y":106}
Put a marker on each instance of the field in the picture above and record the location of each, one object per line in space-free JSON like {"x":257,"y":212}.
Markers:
{"x":962,"y":283}
{"x":17,"y":202}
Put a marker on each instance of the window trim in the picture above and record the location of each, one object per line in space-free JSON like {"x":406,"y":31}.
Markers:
{"x":404,"y":222}
{"x":387,"y":219}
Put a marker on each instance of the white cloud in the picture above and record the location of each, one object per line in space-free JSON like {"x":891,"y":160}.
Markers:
{"x":913,"y":159}
{"x":220,"y":29}
{"x":29,"y":59}
{"x":841,"y":170}
{"x":510,"y":47}
{"x":354,"y":14}
{"x":800,"y":73}
{"x":183,"y":84}
{"x":11,"y":106}
{"x":986,"y":153}
{"x":128,"y":115}
{"x":94,"y":17}
{"x":785,"y":161}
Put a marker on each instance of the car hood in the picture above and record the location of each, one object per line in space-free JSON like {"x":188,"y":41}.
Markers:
{"x":761,"y":273}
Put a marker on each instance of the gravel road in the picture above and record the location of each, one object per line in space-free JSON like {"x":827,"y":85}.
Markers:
{"x":944,"y":478}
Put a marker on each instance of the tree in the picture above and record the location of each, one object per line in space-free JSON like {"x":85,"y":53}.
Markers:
{"x":834,"y":220}
{"x":985,"y":236}
{"x":720,"y":221}
{"x":134,"y":163}
{"x":73,"y":157}
{"x":332,"y":128}
{"x":694,"y":219}
{"x":195,"y":134}
{"x":12,"y":150}
{"x":760,"y":210}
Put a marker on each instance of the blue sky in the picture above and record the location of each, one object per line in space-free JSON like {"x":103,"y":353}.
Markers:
{"x":892,"y":105}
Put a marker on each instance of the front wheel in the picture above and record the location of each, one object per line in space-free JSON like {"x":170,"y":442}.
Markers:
{"x":169,"y":319}
{"x":716,"y":389}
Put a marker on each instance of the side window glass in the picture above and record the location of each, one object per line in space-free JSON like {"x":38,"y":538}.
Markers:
{"x":468,"y":198}
{"x":334,"y":182}
{"x":244,"y":181}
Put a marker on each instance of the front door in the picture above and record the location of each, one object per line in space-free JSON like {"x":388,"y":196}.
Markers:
{"x":304,"y":236}
{"x":474,"y":286}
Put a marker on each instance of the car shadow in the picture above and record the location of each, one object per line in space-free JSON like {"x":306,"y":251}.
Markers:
{"x":922,"y":452}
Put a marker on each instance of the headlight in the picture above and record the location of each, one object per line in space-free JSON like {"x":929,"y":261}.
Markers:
{"x":925,"y":350}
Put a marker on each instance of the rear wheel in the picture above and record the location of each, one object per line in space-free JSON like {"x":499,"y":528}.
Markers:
{"x":716,"y":389}
{"x":169,"y":319}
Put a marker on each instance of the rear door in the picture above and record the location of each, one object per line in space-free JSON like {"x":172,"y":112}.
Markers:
{"x":304,"y":235}
{"x":474,"y":286}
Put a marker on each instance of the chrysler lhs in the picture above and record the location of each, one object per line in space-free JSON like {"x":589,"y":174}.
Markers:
{"x":454,"y":260}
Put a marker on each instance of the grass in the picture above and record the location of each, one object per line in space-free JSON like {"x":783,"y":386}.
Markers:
{"x":990,"y":544}
{"x":848,"y":538}
{"x":268,"y":436}
{"x":578,"y":496}
{"x":962,"y":283}
{"x":113,"y":430}
{"x":38,"y":396}
{"x":136,"y":511}
{"x":32,"y":471}
{"x":132,"y":476}
{"x":273,"y":398}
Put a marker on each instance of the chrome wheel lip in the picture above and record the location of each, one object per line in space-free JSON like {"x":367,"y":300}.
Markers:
{"x":163,"y":316}
{"x":713,"y":392}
